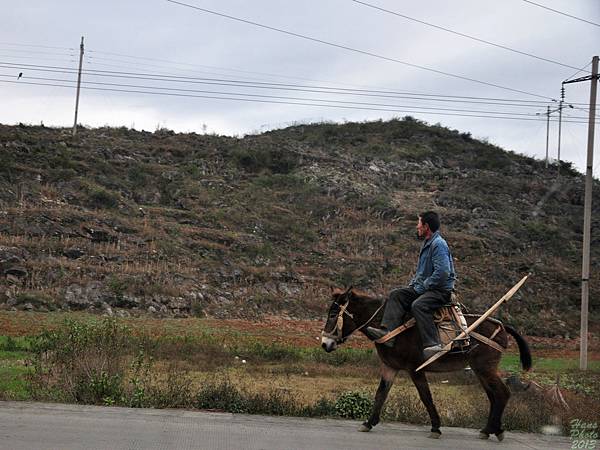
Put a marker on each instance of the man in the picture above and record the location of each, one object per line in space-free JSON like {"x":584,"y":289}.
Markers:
{"x":430,"y":288}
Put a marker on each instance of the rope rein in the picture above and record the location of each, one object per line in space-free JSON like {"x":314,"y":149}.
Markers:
{"x":340,"y":322}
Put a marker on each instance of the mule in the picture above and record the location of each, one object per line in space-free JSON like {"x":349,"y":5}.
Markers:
{"x":352,"y":310}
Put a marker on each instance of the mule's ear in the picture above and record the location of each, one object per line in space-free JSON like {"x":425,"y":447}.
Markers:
{"x":336,"y":291}
{"x":349,"y":289}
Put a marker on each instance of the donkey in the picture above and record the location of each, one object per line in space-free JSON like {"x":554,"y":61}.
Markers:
{"x":353,"y":310}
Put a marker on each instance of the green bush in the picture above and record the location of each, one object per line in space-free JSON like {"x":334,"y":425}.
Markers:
{"x":98,"y":387}
{"x":274,"y":402}
{"x":82,"y":362}
{"x":98,"y":197}
{"x":36,"y":299}
{"x":8,"y":344}
{"x":272,"y":352}
{"x":117,"y":286}
{"x":224,"y":396}
{"x":353,"y":405}
{"x":258,"y":159}
{"x":344,"y":355}
{"x":323,"y":407}
{"x":278,"y":180}
{"x":221,"y":396}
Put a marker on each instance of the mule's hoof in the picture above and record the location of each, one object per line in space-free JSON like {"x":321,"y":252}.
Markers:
{"x":435,"y":435}
{"x":483,"y":435}
{"x":500,"y":436}
{"x":365,"y":427}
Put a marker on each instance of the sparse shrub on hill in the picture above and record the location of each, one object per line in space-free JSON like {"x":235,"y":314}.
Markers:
{"x":258,"y":159}
{"x":96,"y":196}
{"x":35,"y":299}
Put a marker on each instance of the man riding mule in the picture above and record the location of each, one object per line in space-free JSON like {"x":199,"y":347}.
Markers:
{"x":353,"y":311}
{"x":429,"y":289}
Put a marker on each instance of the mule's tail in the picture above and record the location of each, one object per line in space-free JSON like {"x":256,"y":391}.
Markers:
{"x":524,"y":352}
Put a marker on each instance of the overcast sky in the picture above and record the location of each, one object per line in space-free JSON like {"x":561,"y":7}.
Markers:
{"x":163,"y":40}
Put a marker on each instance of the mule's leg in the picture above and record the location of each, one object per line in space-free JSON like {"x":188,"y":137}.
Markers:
{"x":485,"y":432}
{"x":422,"y":386}
{"x":498,"y":393}
{"x":385,"y":384}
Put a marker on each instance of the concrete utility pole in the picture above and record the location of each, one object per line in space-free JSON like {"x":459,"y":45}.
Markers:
{"x":78,"y":86}
{"x":587,"y":215}
{"x":547,"y":114}
{"x":560,"y":108}
{"x":547,"y":133}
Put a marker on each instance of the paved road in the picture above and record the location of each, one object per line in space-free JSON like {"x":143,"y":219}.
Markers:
{"x":31,"y":426}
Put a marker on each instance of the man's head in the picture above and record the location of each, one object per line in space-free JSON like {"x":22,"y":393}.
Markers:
{"x":429,"y":223}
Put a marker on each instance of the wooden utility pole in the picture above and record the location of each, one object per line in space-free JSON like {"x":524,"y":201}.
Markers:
{"x":547,"y":133}
{"x":78,"y":86}
{"x":587,"y":215}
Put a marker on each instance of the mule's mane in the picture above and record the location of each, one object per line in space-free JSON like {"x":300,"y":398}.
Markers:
{"x":364,"y":295}
{"x":357,"y":293}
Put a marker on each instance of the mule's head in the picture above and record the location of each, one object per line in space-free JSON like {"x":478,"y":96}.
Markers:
{"x":340,"y":323}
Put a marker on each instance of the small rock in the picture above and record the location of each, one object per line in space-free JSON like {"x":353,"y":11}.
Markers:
{"x":12,"y":279}
{"x":73,"y":253}
{"x":19,"y":272}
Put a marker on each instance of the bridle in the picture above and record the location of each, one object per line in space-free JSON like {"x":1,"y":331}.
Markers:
{"x":336,"y":333}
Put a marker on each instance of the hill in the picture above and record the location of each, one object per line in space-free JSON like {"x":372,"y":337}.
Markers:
{"x":119,"y":221}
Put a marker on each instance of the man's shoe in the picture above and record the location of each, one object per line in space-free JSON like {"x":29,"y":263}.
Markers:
{"x":428,"y":352}
{"x":377,"y":333}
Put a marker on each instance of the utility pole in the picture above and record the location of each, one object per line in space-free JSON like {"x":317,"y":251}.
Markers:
{"x":547,"y":133}
{"x":78,"y":86}
{"x":547,"y":114}
{"x":587,"y":215}
{"x":560,"y":108}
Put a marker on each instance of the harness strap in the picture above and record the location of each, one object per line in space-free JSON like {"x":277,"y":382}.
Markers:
{"x":496,"y":331}
{"x":372,"y":317}
{"x":395,"y":332}
{"x":488,"y":341}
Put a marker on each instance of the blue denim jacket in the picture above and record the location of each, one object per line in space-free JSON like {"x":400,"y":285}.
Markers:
{"x":435,"y":269}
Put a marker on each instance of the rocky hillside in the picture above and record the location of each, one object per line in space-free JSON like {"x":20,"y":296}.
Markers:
{"x":118,"y":221}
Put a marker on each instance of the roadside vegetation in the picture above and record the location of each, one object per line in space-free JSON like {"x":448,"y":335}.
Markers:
{"x":234,"y":368}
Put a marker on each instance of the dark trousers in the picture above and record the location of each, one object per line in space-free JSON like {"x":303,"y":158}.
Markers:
{"x":422,"y":307}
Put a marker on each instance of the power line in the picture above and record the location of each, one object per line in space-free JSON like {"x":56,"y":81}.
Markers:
{"x":18,"y":50}
{"x":38,"y":58}
{"x":564,"y":14}
{"x":580,"y":70}
{"x":159,"y":77}
{"x":95,"y":62}
{"x":225,"y":69}
{"x":363,"y":52}
{"x":364,"y":88}
{"x":458,"y":33}
{"x":511,"y":102}
{"x":423,"y":108}
{"x":35,"y":46}
{"x":171,"y":94}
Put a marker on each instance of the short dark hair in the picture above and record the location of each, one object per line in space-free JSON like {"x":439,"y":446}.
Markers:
{"x":432,"y":219}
